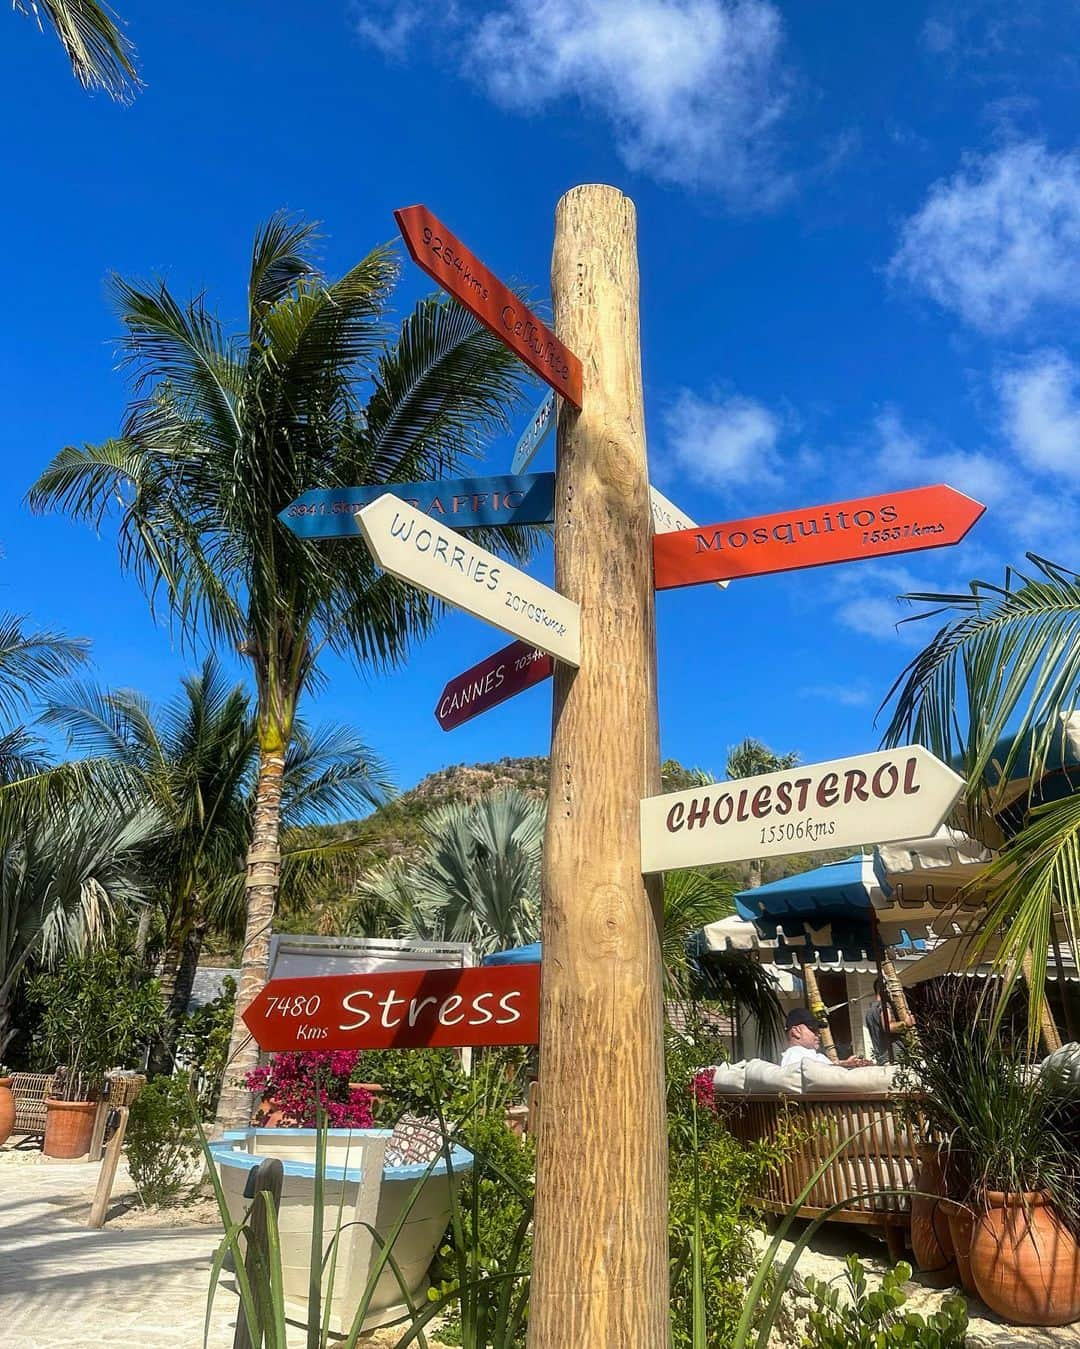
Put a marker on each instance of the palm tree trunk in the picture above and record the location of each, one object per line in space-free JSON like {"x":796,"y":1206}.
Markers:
{"x":177,"y":980}
{"x":263,"y":873}
{"x":142,"y":934}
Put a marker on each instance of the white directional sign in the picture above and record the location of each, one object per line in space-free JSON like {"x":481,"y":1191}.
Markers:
{"x":534,"y":435}
{"x":668,"y":519}
{"x":419,"y":549}
{"x":883,"y":797}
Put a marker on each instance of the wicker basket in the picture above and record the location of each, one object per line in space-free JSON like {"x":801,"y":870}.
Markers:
{"x":122,"y":1088}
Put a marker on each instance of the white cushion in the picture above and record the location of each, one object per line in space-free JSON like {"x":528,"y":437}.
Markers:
{"x":830,"y":1078}
{"x":729,"y":1078}
{"x":762,"y":1076}
{"x":1061,"y":1072}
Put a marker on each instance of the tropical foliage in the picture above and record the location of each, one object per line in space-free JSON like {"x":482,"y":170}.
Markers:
{"x":992,"y":691}
{"x":101,"y":56}
{"x":72,"y":862}
{"x":478,"y":879}
{"x":224,"y":431}
{"x":192,"y":764}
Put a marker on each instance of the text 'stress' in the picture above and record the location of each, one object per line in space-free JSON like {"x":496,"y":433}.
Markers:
{"x":411,"y":545}
{"x":446,"y":260}
{"x":846,"y":531}
{"x":882,"y":797}
{"x":406,"y":1009}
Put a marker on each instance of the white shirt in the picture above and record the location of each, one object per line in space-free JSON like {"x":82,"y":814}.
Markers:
{"x":796,"y":1054}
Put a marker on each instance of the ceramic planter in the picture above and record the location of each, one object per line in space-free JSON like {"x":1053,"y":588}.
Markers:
{"x":69,"y":1127}
{"x":1025,"y":1261}
{"x":931,"y":1241}
{"x":961,"y":1220}
{"x":7,"y":1109}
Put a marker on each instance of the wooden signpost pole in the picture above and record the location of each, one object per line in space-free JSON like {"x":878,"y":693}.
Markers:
{"x":600,"y":1263}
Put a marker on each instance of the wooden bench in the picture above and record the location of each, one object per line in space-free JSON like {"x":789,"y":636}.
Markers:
{"x":878,"y":1158}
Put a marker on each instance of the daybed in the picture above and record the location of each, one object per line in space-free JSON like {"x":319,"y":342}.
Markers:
{"x":824,"y":1104}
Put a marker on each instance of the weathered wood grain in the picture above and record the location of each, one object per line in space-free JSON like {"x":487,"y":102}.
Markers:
{"x":600,"y":1273}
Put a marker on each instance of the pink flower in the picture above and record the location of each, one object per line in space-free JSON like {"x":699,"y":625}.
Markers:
{"x":704,"y":1089}
{"x":299,"y":1083}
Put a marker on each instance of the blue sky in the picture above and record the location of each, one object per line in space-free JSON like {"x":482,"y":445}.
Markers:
{"x":859,"y":231}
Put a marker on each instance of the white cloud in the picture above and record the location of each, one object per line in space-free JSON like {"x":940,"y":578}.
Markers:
{"x":910,"y":462}
{"x":723,"y":442}
{"x":938,"y":35}
{"x":1000,"y":239}
{"x":847,"y":695}
{"x":694,"y":89}
{"x":389,"y":25}
{"x":1041,"y":412}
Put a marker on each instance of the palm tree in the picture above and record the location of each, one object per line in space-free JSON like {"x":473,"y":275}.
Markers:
{"x":692,"y":900}
{"x":1007,"y":662}
{"x":72,"y":861}
{"x":478,"y":879}
{"x":225,"y":431}
{"x":193,"y":763}
{"x":101,"y":56}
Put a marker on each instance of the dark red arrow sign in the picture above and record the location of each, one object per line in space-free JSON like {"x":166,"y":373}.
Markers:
{"x":446,"y":260}
{"x":409,"y":1009}
{"x":516,"y":667}
{"x":898,"y":522}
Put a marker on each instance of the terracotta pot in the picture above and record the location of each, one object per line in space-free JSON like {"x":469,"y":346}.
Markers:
{"x":69,"y":1126}
{"x":931,"y":1242}
{"x":7,"y":1109}
{"x":1025,"y":1261}
{"x":961,"y":1220}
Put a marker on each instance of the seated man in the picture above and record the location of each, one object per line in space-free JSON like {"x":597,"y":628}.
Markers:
{"x":804,"y":1042}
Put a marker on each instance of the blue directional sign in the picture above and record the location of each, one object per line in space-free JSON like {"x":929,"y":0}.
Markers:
{"x":535,"y":434}
{"x":508,"y":499}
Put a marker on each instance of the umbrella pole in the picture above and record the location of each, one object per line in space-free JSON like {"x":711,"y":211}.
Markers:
{"x":1048,"y":1031}
{"x":894,"y":989}
{"x":817,"y":1009}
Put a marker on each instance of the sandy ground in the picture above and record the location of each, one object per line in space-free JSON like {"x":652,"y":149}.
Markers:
{"x":143,"y":1279}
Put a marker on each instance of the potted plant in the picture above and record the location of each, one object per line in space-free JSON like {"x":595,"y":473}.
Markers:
{"x":1010,"y":1144}
{"x":7,"y":1105}
{"x":96,"y":1012}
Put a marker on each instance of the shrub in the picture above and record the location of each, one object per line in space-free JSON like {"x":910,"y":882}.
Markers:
{"x":202,"y":1046}
{"x":163,"y":1140}
{"x":299,"y":1083}
{"x":868,"y":1320}
{"x":96,"y":1012}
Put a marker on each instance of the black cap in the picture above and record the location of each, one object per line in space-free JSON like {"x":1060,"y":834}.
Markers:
{"x":799,"y":1016}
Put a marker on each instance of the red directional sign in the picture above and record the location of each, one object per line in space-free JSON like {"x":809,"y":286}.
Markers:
{"x":409,"y":1009}
{"x":898,"y":522}
{"x":516,"y":667}
{"x":446,"y":260}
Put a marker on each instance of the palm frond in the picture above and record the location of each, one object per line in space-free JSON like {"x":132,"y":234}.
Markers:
{"x":445,"y":384}
{"x":31,"y":661}
{"x":101,"y":56}
{"x":331,"y":772}
{"x":1035,"y":876}
{"x":280,"y":259}
{"x":1011,"y":659}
